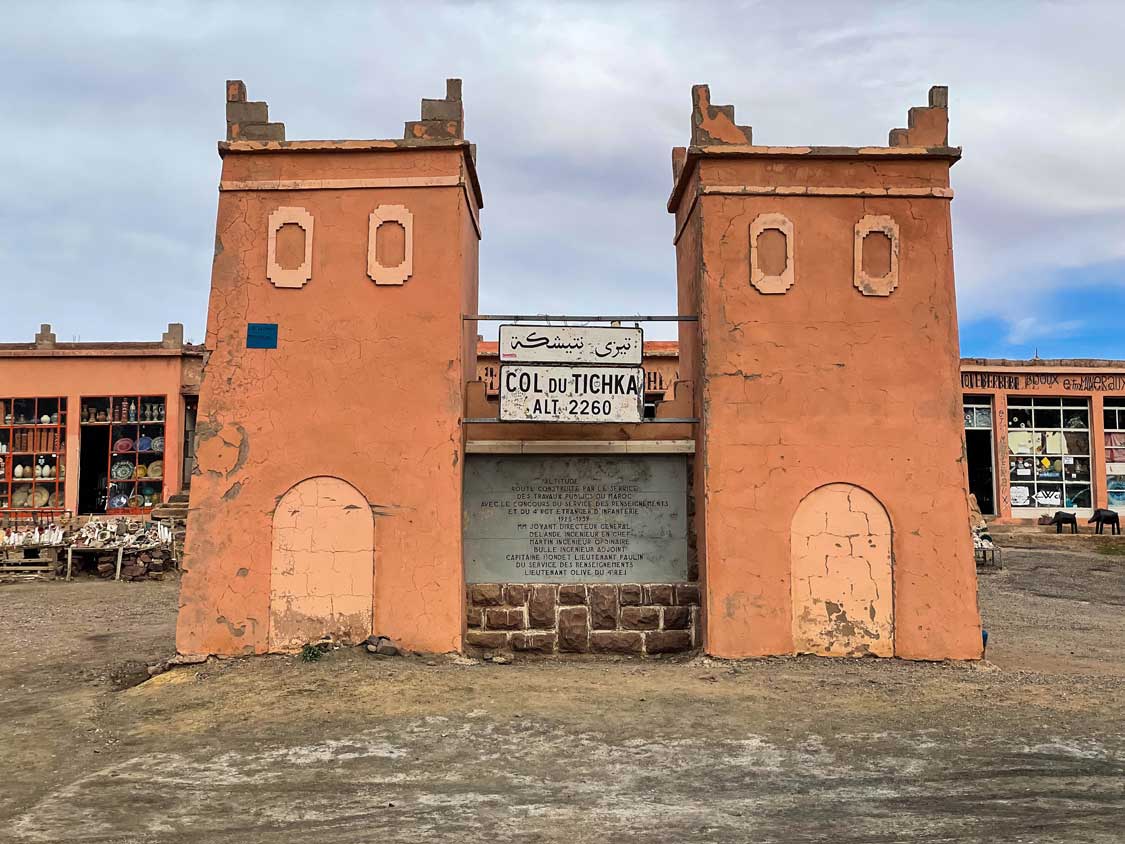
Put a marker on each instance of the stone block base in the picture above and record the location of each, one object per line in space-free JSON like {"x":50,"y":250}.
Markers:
{"x":546,"y":618}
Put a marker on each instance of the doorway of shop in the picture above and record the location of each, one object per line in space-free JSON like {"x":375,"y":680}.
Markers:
{"x":978,"y":455}
{"x":93,"y":463}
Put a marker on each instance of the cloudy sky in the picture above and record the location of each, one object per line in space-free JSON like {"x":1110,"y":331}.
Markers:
{"x":110,"y":113}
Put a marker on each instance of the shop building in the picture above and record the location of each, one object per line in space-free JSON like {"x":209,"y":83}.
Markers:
{"x":1044,"y":435}
{"x":95,"y":427}
{"x":778,"y":499}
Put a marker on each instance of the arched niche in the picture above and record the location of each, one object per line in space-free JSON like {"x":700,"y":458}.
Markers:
{"x":842,"y":574}
{"x":322,"y":565}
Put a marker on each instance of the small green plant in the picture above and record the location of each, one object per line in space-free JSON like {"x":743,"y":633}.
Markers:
{"x":312,"y":652}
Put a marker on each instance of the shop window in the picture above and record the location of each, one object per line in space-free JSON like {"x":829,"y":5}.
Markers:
{"x":978,"y":413}
{"x":1114,"y":418}
{"x":121,"y":463}
{"x":32,"y":455}
{"x":1049,"y":453}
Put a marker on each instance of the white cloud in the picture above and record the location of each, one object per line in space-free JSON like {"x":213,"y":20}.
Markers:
{"x":112,"y":112}
{"x":1027,"y":329}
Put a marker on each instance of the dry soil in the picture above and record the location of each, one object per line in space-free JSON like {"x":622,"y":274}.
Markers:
{"x":1027,"y":746}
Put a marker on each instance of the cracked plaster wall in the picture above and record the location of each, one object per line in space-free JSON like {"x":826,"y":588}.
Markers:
{"x":825,"y":385}
{"x":323,"y":565}
{"x":365,"y":385}
{"x":842,"y":590}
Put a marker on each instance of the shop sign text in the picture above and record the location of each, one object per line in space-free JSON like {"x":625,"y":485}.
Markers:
{"x":1079,"y":383}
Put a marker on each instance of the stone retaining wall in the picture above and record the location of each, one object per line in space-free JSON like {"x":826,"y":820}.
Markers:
{"x":634,"y":618}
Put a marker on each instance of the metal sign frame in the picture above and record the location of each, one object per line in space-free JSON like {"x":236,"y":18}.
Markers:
{"x":468,"y":323}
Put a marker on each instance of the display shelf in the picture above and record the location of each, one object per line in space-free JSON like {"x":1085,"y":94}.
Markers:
{"x":33,"y":445}
{"x":129,"y":417}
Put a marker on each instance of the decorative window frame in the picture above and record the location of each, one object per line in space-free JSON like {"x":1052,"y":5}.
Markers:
{"x":771,"y":284}
{"x":399,"y":273}
{"x":865,"y":284}
{"x":278,"y":275}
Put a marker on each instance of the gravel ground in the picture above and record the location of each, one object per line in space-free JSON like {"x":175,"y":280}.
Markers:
{"x":1027,"y":746}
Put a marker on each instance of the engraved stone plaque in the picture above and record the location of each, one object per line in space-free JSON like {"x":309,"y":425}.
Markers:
{"x":575,"y":518}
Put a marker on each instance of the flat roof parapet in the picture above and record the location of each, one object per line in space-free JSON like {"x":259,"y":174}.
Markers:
{"x":442,"y":126}
{"x":715,"y":134}
{"x":45,"y":344}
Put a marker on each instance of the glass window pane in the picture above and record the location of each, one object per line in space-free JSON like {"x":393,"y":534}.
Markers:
{"x":1049,"y":469}
{"x":1117,"y":498}
{"x":1109,"y":418}
{"x":1049,"y":442}
{"x":1076,"y":468}
{"x":1021,"y":468}
{"x":984,"y":417}
{"x":1019,"y":418}
{"x":969,"y":417}
{"x":1021,"y":495}
{"x":1077,"y":442}
{"x":1048,"y":495}
{"x":1020,"y":442}
{"x":1077,"y":496}
{"x":1076,"y":418}
{"x":1075,"y":403}
{"x":1048,"y":417}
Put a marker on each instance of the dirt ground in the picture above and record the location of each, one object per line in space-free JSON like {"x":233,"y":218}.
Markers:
{"x":1026,"y":747}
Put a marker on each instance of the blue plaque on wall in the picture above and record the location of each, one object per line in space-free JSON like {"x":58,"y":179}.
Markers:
{"x":261,"y":335}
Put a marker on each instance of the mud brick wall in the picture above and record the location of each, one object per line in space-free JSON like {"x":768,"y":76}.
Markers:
{"x":651,"y":618}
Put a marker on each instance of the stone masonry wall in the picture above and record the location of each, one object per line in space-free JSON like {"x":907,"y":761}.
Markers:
{"x":651,"y":618}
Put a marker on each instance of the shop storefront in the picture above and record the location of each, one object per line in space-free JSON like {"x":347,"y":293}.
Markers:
{"x":1044,"y":435}
{"x":94,"y":427}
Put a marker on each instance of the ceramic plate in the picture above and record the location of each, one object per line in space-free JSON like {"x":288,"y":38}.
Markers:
{"x":122,"y":445}
{"x":144,"y":443}
{"x":122,"y":470}
{"x":156,"y":469}
{"x":158,"y":443}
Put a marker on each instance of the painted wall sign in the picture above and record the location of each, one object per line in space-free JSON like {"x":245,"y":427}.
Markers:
{"x":1080,"y":382}
{"x":571,"y":344}
{"x":571,"y":393}
{"x":261,"y":335}
{"x":575,"y":518}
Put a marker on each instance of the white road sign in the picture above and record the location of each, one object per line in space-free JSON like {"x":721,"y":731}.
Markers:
{"x":571,"y":393}
{"x":607,"y":345}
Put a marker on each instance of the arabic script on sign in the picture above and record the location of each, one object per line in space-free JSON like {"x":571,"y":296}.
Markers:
{"x":610,"y":345}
